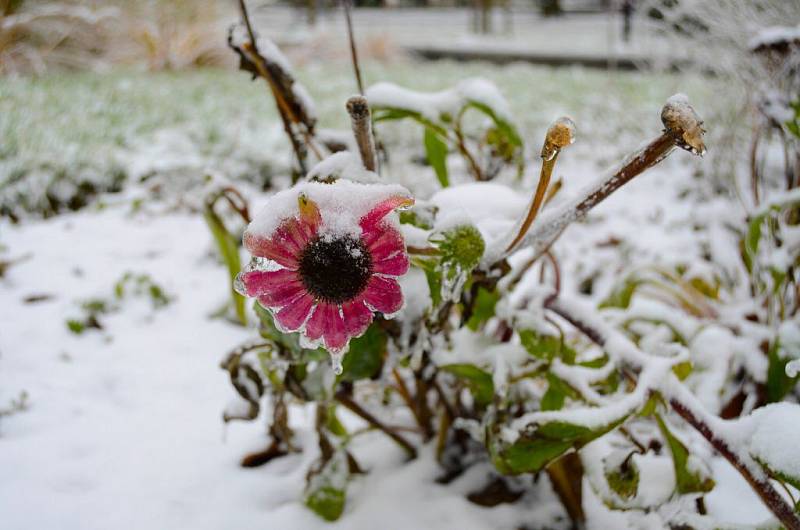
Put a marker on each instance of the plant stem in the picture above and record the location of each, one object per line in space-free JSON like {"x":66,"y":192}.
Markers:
{"x":538,"y":199}
{"x":477,"y":174}
{"x":358,"y":108}
{"x":354,"y":407}
{"x":353,"y":53}
{"x":288,"y":116}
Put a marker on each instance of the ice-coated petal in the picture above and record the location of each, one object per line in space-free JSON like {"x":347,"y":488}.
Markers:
{"x":395,"y":265}
{"x":383,"y":241}
{"x":263,"y":247}
{"x":357,"y":317}
{"x":384,"y":295}
{"x":380,"y":211}
{"x":294,"y":314}
{"x":282,"y":284}
{"x":294,"y":235}
{"x":326,"y":322}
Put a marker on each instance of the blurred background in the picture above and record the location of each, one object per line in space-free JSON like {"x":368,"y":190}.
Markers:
{"x":97,"y":94}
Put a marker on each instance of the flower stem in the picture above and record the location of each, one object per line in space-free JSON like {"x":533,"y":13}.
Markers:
{"x":560,"y":134}
{"x":538,"y":199}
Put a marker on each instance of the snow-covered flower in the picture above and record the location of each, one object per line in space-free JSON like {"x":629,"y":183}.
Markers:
{"x":332,"y":261}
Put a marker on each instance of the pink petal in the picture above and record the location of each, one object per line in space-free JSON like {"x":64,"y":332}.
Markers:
{"x":293,"y":315}
{"x":384,"y":295}
{"x":383,"y":241}
{"x":383,"y":208}
{"x":326,"y":322}
{"x":357,"y":317}
{"x":395,"y":265}
{"x":272,"y":284}
{"x":293,"y":235}
{"x":267,"y":248}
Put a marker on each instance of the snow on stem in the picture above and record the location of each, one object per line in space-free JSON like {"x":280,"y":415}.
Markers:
{"x":725,"y":436}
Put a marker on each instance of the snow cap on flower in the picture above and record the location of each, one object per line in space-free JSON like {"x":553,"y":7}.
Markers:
{"x":333,"y":253}
{"x":683,"y":124}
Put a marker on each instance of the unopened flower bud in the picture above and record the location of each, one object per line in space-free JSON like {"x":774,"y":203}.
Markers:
{"x":683,"y":124}
{"x":560,"y":134}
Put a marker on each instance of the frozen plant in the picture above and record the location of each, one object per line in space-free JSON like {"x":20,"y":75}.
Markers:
{"x":452,"y":309}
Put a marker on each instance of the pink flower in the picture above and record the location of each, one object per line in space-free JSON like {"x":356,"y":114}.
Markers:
{"x":329,"y":284}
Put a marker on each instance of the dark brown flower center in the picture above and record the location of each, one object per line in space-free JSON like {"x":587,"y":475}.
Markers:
{"x":335,"y":269}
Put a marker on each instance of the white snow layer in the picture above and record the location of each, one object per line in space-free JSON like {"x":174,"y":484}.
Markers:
{"x":774,"y":439}
{"x":342,"y":204}
{"x":433,"y":105}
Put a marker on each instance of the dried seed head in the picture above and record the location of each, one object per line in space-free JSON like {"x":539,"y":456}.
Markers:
{"x":683,"y":124}
{"x":358,"y":107}
{"x":560,"y":134}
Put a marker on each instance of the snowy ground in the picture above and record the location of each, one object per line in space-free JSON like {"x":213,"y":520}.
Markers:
{"x":122,"y":426}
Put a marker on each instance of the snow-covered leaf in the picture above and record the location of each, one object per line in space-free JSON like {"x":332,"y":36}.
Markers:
{"x":479,"y":382}
{"x":688,"y":478}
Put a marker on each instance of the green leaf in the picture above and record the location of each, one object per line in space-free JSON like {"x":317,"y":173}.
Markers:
{"x":597,"y":362}
{"x":533,"y":451}
{"x":76,"y":326}
{"x":528,"y":455}
{"x":365,"y":356}
{"x":621,"y":296}
{"x":485,"y":303}
{"x":624,"y":480}
{"x":436,"y":151}
{"x":327,"y":502}
{"x":751,"y":242}
{"x":557,"y":393}
{"x":332,"y":422}
{"x":546,"y":347}
{"x":433,"y":274}
{"x":325,"y":491}
{"x":505,"y":132}
{"x":686,"y":481}
{"x":682,"y":370}
{"x":479,"y":382}
{"x":778,"y":383}
{"x":506,"y":127}
{"x":228,"y":247}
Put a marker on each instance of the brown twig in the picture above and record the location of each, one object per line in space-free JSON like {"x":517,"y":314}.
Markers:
{"x":358,"y":108}
{"x":462,"y":148}
{"x":354,"y":407}
{"x":763,"y":488}
{"x":353,"y":52}
{"x":279,"y":82}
